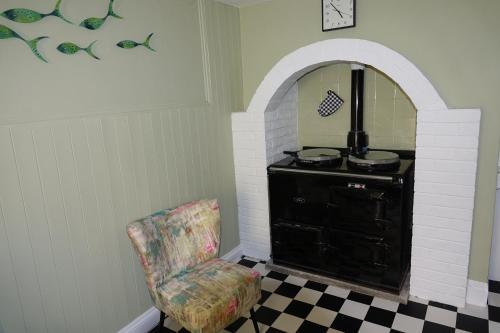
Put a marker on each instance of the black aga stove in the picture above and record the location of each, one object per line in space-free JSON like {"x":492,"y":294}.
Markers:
{"x":344,"y":212}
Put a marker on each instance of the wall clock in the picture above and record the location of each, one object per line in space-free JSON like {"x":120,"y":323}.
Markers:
{"x":338,"y":14}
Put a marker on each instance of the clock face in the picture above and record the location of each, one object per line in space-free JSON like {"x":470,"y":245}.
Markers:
{"x":338,"y":14}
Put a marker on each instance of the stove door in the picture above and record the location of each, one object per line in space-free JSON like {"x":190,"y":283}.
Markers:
{"x":300,"y":198}
{"x":362,"y":258}
{"x":298,"y":244}
{"x":360,"y":209}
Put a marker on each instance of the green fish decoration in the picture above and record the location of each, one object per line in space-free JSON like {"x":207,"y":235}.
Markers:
{"x":95,"y":23}
{"x":23,"y":15}
{"x":6,"y":33}
{"x":71,"y":48}
{"x":130,"y":44}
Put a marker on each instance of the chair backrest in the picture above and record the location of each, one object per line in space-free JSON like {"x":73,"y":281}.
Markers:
{"x":172,"y":241}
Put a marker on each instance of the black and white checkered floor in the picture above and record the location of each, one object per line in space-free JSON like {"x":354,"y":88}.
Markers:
{"x":293,"y":304}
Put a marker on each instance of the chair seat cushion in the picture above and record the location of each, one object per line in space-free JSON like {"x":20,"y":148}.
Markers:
{"x":210,"y":296}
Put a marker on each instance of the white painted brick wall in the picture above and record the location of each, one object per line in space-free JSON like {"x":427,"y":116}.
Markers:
{"x":445,"y":172}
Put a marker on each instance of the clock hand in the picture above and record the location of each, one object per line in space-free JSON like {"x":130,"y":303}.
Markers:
{"x":338,"y":11}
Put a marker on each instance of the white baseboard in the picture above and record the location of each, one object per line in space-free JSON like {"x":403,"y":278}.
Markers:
{"x":234,"y":254}
{"x":149,"y":319}
{"x":144,"y":323}
{"x":477,"y":293}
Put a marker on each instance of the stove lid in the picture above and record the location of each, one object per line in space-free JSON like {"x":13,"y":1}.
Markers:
{"x":319,"y":154}
{"x":375,"y":158}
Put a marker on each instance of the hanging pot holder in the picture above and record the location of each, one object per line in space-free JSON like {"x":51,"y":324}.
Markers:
{"x":330,"y":104}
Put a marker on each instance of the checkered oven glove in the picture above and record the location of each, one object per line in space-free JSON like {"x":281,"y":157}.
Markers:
{"x":330,"y":104}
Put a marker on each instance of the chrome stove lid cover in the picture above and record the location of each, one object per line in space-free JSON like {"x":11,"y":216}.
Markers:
{"x":319,"y":154}
{"x":375,"y":158}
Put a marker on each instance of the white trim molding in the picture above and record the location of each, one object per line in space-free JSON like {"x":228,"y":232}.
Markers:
{"x":477,"y":293}
{"x":144,"y":323}
{"x":233,"y":255}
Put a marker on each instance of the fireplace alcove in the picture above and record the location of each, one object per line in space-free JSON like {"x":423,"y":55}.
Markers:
{"x":445,"y":172}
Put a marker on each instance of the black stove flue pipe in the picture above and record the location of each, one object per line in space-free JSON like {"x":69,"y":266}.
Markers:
{"x":357,"y":140}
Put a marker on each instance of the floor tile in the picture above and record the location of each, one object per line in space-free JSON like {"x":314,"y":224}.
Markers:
{"x":247,"y":327}
{"x":494,"y":326}
{"x":367,"y":327}
{"x":474,"y":311}
{"x":494,"y":299}
{"x":299,"y":309}
{"x":273,"y":330}
{"x":413,"y":309}
{"x":277,"y":302}
{"x":346,"y":324}
{"x":287,"y":289}
{"x":234,"y":327}
{"x":494,"y":313}
{"x":310,"y":327}
{"x":264,"y":295}
{"x":385,"y":304}
{"x":288,"y":304}
{"x":494,"y":286}
{"x":277,"y":276}
{"x":261,"y":268}
{"x":441,"y":316}
{"x":172,"y":324}
{"x":360,"y":298}
{"x":287,"y":322}
{"x":443,"y":306}
{"x":331,"y":330}
{"x":407,"y":324}
{"x":308,"y":295}
{"x":337,"y":291}
{"x":354,"y":309}
{"x":471,"y":324}
{"x":330,"y":302}
{"x":418,"y":300}
{"x":247,"y":263}
{"x":270,"y":284}
{"x":430,"y":327}
{"x":380,"y":316}
{"x":316,"y":286}
{"x":322,"y":316}
{"x":266,"y":315}
{"x":298,"y":281}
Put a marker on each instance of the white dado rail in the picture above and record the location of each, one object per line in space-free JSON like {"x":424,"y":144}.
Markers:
{"x":445,"y":175}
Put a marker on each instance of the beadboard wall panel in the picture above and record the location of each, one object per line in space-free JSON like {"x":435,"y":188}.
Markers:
{"x":69,"y":186}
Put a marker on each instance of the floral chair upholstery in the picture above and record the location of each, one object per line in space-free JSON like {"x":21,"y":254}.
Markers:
{"x":178,"y":251}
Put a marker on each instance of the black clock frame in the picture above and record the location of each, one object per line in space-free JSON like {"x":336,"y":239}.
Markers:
{"x":350,"y":26}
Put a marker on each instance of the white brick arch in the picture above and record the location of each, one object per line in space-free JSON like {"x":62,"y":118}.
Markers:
{"x":446,"y":157}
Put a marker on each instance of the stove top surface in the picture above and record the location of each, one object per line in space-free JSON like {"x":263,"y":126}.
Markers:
{"x":290,"y":163}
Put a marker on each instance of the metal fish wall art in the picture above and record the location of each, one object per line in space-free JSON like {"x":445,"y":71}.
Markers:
{"x":95,"y":23}
{"x":130,"y":44}
{"x":6,"y":33}
{"x":71,"y":48}
{"x":23,"y":15}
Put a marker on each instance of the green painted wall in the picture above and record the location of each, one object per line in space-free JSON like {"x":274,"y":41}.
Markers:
{"x":389,"y":116}
{"x":88,"y":146}
{"x":453,"y":42}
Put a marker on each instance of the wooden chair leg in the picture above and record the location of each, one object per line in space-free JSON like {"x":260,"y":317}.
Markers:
{"x":159,"y":327}
{"x":254,"y":320}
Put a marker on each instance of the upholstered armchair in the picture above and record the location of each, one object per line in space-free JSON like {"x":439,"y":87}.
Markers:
{"x":178,"y":251}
